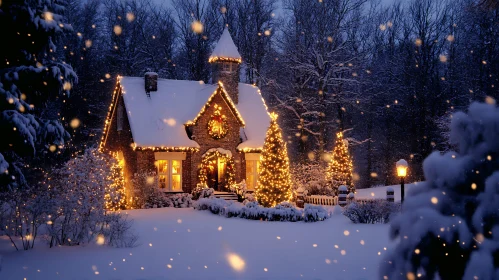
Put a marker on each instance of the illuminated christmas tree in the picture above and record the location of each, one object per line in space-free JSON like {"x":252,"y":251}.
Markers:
{"x":274,"y":181}
{"x":339,"y":170}
{"x":115,"y":190}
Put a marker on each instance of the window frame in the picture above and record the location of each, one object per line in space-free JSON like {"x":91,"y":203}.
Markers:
{"x":227,"y":67}
{"x":255,"y":159}
{"x":170,"y":157}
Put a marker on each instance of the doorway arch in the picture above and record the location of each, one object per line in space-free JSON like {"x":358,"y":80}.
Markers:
{"x":217,"y":169}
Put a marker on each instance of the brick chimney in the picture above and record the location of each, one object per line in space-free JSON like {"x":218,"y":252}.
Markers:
{"x":151,"y":81}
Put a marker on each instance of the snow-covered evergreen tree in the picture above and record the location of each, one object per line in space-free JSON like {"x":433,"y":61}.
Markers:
{"x":274,"y":180}
{"x":30,"y":74}
{"x":450,"y":223}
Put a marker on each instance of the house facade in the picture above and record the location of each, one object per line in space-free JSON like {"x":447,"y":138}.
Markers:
{"x":188,"y":132}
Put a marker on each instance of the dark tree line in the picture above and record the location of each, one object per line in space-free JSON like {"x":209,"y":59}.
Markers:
{"x":390,"y":76}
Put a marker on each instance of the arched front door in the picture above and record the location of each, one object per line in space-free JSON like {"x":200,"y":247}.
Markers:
{"x":217,"y":169}
{"x":217,"y":175}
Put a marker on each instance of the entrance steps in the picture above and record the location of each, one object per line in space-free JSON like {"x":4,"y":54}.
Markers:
{"x":226,"y":195}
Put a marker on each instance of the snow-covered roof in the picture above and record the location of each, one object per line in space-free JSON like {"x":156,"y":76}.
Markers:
{"x":225,"y":48}
{"x":158,"y":120}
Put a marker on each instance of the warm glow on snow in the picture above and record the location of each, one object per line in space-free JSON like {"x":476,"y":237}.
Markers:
{"x":236,"y":262}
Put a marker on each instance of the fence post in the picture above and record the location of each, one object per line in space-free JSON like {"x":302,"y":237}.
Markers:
{"x":342,"y":196}
{"x":390,"y":194}
{"x":300,"y":198}
{"x":350,"y":197}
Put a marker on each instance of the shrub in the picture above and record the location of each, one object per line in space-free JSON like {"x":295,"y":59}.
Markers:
{"x":201,"y":191}
{"x":253,"y":211}
{"x":249,"y":197}
{"x":147,"y":195}
{"x":144,"y":191}
{"x":180,"y":200}
{"x":371,"y":211}
{"x":313,"y":213}
{"x":311,"y":178}
{"x":239,"y":189}
{"x":116,"y":231}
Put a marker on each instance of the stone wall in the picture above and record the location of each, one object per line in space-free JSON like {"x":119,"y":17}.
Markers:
{"x":230,"y":80}
{"x":121,"y":141}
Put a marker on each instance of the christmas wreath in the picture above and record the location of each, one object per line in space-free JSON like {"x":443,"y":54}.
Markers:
{"x":218,"y":126}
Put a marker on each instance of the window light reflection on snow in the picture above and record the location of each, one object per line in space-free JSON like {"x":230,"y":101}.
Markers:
{"x":236,"y":262}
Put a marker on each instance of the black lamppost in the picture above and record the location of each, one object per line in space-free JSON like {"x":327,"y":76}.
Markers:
{"x":402,"y":172}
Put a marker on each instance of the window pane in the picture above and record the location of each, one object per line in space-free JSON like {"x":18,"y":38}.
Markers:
{"x":176,"y":182}
{"x":163,"y":181}
{"x":250,"y":182}
{"x":250,"y":178}
{"x":221,"y":169}
{"x":162,"y":166}
{"x":176,"y":166}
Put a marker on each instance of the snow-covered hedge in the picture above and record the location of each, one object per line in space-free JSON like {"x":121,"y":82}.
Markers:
{"x":201,"y":191}
{"x":147,"y":195}
{"x":162,"y":200}
{"x":371,"y":211}
{"x":253,"y":211}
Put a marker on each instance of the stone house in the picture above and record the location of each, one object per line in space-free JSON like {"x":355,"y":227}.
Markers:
{"x":189,"y":132}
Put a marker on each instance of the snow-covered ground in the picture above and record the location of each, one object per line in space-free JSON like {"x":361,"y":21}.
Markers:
{"x":380,"y":192}
{"x":190,"y":244}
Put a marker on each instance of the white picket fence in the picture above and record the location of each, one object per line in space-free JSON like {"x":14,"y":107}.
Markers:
{"x":321,"y":200}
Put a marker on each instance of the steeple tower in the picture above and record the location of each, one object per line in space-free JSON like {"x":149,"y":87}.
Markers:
{"x":225,"y":61}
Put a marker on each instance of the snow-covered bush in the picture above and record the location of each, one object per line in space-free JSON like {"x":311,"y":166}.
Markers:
{"x":69,"y":208}
{"x":371,"y":211}
{"x":311,"y":177}
{"x":202,"y":191}
{"x":239,"y":189}
{"x":22,"y":213}
{"x":251,"y":210}
{"x":314,"y":213}
{"x":449,"y":224}
{"x":117,"y":231}
{"x":161,"y":200}
{"x":76,"y":205}
{"x":180,"y":200}
{"x":147,"y":195}
{"x":248,"y":197}
{"x":214,"y":205}
{"x":145,"y":191}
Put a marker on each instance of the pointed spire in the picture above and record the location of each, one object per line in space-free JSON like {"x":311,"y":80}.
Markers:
{"x":225,"y":50}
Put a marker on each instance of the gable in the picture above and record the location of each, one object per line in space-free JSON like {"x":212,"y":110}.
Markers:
{"x":110,"y":113}
{"x":220,"y":91}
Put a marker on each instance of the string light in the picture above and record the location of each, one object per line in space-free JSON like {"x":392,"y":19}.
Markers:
{"x":274,"y":181}
{"x":340,"y":168}
{"x":107,"y":123}
{"x":209,"y":162}
{"x":135,"y":147}
{"x":227,"y":99}
{"x":224,"y":59}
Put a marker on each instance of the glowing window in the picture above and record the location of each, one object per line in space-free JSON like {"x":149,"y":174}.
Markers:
{"x":169,"y":175}
{"x":252,"y":168}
